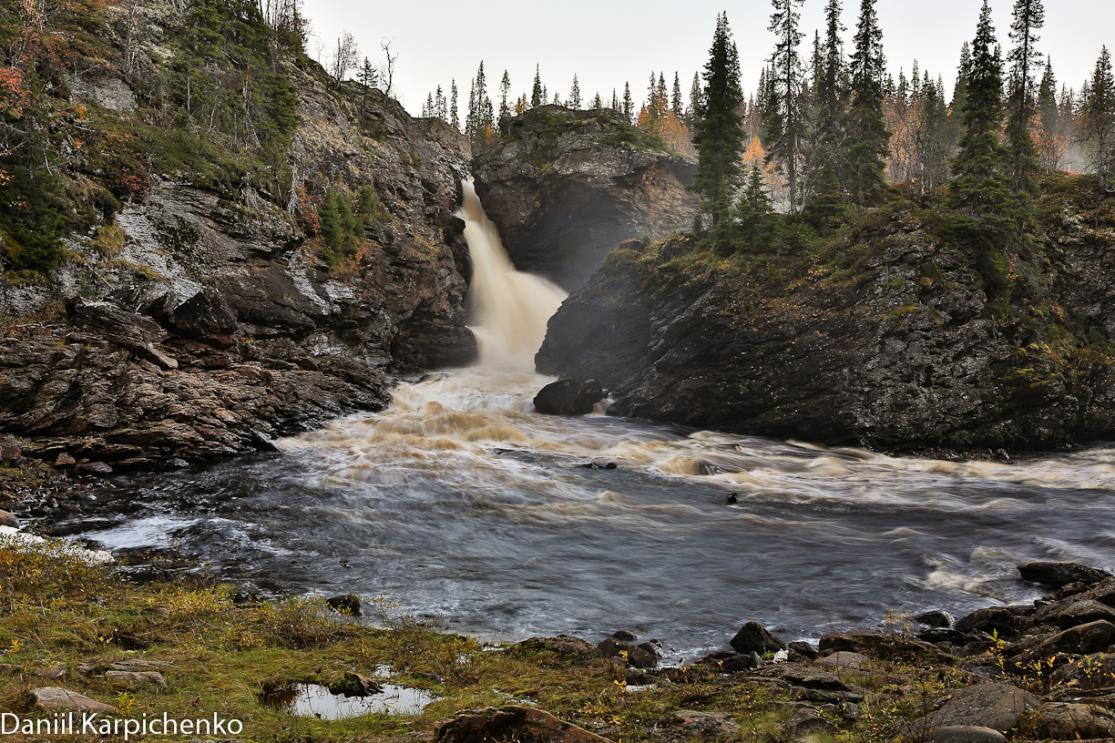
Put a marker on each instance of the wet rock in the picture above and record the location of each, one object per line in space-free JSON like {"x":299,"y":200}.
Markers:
{"x":642,"y":655}
{"x":7,"y":519}
{"x":1085,"y":639}
{"x":57,"y":699}
{"x":205,"y":316}
{"x":965,"y":734}
{"x":733,"y":662}
{"x":566,"y":646}
{"x":1073,"y":612}
{"x":936,"y":619}
{"x":1003,"y":621}
{"x":568,"y":397}
{"x":1061,"y":721}
{"x":989,"y":705}
{"x":348,"y":604}
{"x":512,"y":725}
{"x":624,"y":636}
{"x":1059,"y":574}
{"x":802,"y":650}
{"x":754,"y":638}
{"x":134,"y":679}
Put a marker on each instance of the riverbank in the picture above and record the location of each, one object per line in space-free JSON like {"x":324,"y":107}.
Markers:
{"x":198,"y":650}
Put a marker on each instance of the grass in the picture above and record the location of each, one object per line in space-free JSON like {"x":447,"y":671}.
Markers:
{"x":58,"y":612}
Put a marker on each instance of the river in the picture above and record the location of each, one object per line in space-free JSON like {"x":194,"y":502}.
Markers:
{"x":460,"y":507}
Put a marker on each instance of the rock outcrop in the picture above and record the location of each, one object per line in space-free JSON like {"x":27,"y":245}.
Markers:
{"x":565,"y":187}
{"x":204,"y":319}
{"x":895,"y":338}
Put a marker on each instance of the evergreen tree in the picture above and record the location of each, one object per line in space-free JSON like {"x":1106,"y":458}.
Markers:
{"x":868,"y":138}
{"x":616,"y":106}
{"x":785,"y":126}
{"x":441,"y":110}
{"x":934,"y":140}
{"x":504,"y":94}
{"x":537,"y":96}
{"x":1099,"y":121}
{"x":828,"y":160}
{"x":575,"y":94}
{"x":676,"y":104}
{"x":1029,"y":18}
{"x":454,"y":108}
{"x":696,"y":101}
{"x":597,"y":102}
{"x":980,"y":186}
{"x":1049,"y":118}
{"x":719,"y":134}
{"x":754,"y":210}
{"x":628,"y":103}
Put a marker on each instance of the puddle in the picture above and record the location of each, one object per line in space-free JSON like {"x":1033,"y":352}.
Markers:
{"x":314,"y":700}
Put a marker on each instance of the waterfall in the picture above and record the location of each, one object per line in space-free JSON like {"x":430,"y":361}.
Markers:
{"x":508,"y":309}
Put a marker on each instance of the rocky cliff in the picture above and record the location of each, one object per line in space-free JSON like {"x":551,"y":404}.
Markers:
{"x":893,"y":335}
{"x":565,"y":187}
{"x":205,"y":314}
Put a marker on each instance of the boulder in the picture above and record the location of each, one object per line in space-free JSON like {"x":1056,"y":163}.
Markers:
{"x":134,"y":679}
{"x":882,"y":646}
{"x":754,"y":638}
{"x":565,"y":646}
{"x":935,"y":619}
{"x":642,"y":655}
{"x":355,"y":685}
{"x":348,"y":604}
{"x":1059,"y":574}
{"x":57,"y":699}
{"x":706,"y":725}
{"x":205,"y":316}
{"x":568,"y":397}
{"x":989,"y":705}
{"x":843,"y":659}
{"x":1062,"y":721}
{"x":1075,"y":611}
{"x":7,"y":519}
{"x":802,"y":650}
{"x":1003,"y":621}
{"x":732,"y":662}
{"x":1094,"y":637}
{"x":512,"y":725}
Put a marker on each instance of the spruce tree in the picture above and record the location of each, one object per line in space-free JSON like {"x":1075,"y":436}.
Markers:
{"x":597,"y":102}
{"x":868,"y":138}
{"x":504,"y":95}
{"x":719,"y":135}
{"x":1049,"y":117}
{"x":1099,"y":121}
{"x":827,"y":161}
{"x":537,"y":96}
{"x":628,"y":103}
{"x":754,"y":209}
{"x":980,"y":185}
{"x":676,"y":104}
{"x":696,"y":101}
{"x":1029,"y":18}
{"x":786,"y":125}
{"x":454,"y":107}
{"x":574,"y":101}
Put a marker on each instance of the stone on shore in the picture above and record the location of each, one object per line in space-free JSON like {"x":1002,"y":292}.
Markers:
{"x":568,"y":397}
{"x":754,"y":638}
{"x":988,"y":705}
{"x":57,"y":699}
{"x":1060,"y":574}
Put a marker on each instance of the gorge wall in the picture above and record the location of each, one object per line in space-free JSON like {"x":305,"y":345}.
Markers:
{"x":892,"y":336}
{"x":565,"y":187}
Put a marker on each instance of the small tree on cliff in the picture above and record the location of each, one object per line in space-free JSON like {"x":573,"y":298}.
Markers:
{"x":1029,"y":17}
{"x":980,"y":186}
{"x":719,"y":131}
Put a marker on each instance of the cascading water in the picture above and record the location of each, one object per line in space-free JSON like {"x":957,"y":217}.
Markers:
{"x":509,"y":308}
{"x":458,"y":504}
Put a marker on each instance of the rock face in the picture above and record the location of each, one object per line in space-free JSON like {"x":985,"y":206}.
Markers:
{"x":211,"y":323}
{"x":893,"y":340}
{"x":565,"y":187}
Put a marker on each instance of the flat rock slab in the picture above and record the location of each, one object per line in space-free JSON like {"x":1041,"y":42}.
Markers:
{"x":966,"y":734}
{"x":843,"y":659}
{"x":134,"y":679}
{"x":57,"y":699}
{"x":995,"y":706}
{"x":1061,"y":721}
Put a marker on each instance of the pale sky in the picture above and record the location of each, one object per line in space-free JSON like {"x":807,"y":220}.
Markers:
{"x":606,"y":42}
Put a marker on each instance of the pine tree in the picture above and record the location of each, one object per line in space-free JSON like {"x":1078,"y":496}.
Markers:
{"x":1049,"y":118}
{"x":1029,"y":18}
{"x":676,"y":104}
{"x":980,"y":186}
{"x":1099,"y":121}
{"x":719,"y":135}
{"x":628,"y":104}
{"x":504,"y":94}
{"x":868,"y":138}
{"x":785,"y":125}
{"x":537,"y":96}
{"x":575,"y":94}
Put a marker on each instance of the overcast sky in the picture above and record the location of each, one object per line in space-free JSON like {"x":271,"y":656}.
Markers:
{"x":606,"y":42}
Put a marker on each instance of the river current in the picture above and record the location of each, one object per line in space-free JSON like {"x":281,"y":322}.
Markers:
{"x":461,"y":507}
